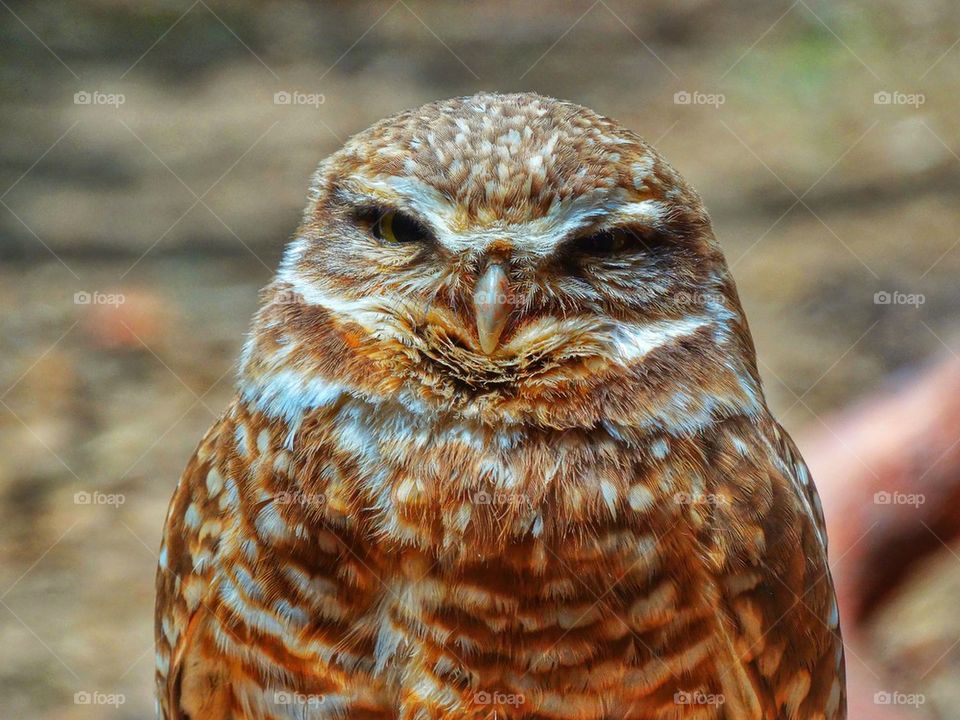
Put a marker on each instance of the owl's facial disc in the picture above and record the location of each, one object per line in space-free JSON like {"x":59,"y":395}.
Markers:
{"x":492,"y":303}
{"x":503,"y":256}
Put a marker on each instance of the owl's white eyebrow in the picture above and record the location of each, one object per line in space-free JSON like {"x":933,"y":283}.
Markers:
{"x":651,"y":213}
{"x":542,"y":236}
{"x":366,"y":202}
{"x":367,"y":199}
{"x":425,"y":201}
{"x":654,"y":212}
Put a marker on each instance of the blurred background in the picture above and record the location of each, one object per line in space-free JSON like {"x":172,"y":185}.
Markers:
{"x":154,"y":158}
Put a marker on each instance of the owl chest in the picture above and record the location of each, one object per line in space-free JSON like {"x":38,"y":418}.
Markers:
{"x":462,"y":493}
{"x":604,"y":621}
{"x":438,"y":565}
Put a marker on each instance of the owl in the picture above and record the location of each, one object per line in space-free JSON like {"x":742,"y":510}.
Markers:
{"x":498,"y":449}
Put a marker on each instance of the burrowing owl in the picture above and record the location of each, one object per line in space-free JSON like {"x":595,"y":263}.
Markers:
{"x":498,"y":450}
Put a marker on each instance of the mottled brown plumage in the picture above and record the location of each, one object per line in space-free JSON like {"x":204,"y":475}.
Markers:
{"x":499,"y":450}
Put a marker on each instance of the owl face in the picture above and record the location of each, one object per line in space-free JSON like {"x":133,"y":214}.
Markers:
{"x":499,"y":252}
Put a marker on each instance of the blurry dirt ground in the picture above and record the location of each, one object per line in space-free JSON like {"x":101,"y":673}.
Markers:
{"x":181,"y":199}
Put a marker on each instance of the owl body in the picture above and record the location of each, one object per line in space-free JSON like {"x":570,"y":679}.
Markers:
{"x":502,"y":456}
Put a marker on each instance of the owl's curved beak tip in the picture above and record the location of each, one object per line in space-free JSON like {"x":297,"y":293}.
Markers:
{"x":491,"y":302}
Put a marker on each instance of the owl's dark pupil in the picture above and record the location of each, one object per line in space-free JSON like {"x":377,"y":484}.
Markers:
{"x":605,"y":242}
{"x":395,"y":227}
{"x":602,"y":243}
{"x":406,"y":229}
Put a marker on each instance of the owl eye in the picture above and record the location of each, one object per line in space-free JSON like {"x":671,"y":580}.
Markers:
{"x":614,"y":241}
{"x":393,"y":227}
{"x":601,"y":243}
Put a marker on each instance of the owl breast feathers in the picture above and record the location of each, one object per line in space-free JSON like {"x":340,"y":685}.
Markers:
{"x":498,"y":450}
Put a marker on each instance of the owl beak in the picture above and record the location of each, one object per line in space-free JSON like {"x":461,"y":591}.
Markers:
{"x":491,"y":302}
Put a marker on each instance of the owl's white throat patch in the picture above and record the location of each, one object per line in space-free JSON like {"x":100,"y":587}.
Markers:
{"x":289,"y":395}
{"x":634,"y":341}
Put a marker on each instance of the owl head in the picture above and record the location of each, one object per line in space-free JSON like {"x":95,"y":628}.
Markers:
{"x":506,"y":259}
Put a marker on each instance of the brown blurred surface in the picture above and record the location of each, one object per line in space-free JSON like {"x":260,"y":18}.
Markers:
{"x":181,"y":198}
{"x":888,"y":468}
